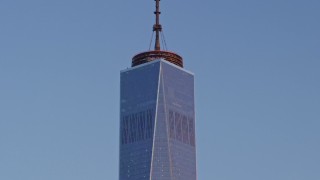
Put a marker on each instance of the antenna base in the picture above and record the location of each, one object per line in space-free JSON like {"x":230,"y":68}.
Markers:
{"x":148,"y":56}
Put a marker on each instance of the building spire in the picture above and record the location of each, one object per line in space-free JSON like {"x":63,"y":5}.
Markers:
{"x":157,"y":53}
{"x":157,"y":27}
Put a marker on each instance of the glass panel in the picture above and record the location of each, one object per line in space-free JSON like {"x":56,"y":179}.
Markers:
{"x":138,"y":96}
{"x":179,"y":98}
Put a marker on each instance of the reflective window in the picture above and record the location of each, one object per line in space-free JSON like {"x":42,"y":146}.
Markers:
{"x":181,"y":128}
{"x":137,"y":127}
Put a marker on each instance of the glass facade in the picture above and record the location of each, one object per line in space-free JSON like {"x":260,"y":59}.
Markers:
{"x":157,"y":123}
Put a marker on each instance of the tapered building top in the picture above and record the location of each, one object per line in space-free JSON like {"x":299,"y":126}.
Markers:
{"x":157,"y":53}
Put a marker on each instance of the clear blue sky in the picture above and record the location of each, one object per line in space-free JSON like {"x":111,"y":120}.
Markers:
{"x":257,"y":67}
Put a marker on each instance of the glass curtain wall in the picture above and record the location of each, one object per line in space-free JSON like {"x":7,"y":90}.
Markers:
{"x":157,"y":128}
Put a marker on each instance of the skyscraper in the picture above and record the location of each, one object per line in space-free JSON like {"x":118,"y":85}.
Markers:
{"x":157,"y":116}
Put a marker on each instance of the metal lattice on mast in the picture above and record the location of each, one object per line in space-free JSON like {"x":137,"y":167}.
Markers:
{"x":157,"y":27}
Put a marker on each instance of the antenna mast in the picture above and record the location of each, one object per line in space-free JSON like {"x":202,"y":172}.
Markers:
{"x":157,"y":53}
{"x":157,"y":27}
